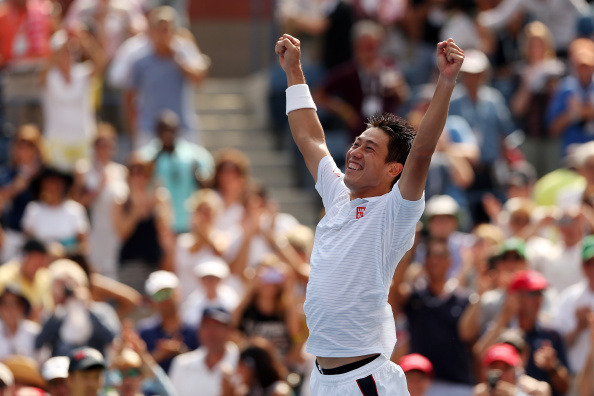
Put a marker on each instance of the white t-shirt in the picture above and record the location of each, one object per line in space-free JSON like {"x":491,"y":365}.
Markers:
{"x":191,"y":376}
{"x":574,"y":297}
{"x":23,"y":341}
{"x":67,"y":108}
{"x":357,"y":247}
{"x":561,"y":265}
{"x":60,"y":223}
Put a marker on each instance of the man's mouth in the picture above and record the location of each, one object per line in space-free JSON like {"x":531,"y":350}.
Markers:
{"x":354,"y":166}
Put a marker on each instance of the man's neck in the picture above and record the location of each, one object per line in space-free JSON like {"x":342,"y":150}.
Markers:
{"x":369,"y":193}
{"x":214,"y":356}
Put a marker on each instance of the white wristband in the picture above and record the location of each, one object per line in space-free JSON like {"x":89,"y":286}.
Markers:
{"x":298,"y":97}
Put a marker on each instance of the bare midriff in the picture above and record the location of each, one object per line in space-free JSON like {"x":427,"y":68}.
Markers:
{"x":333,"y":362}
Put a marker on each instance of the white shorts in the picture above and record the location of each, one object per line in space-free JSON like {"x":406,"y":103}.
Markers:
{"x":381,"y":377}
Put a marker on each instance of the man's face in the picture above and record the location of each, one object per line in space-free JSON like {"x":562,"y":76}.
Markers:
{"x":86,"y":382}
{"x":441,"y":226}
{"x":131,"y":381}
{"x":32,"y":262}
{"x":162,"y":33}
{"x":507,"y":372}
{"x":437,"y":262}
{"x":366,"y":167}
{"x":530,"y":303}
{"x":213,"y":334}
{"x":418,"y":382}
{"x":588,"y":267}
{"x":58,"y":387}
{"x":167,"y":136}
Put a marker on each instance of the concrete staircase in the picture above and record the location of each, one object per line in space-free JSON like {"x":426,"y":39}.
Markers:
{"x":233,"y":113}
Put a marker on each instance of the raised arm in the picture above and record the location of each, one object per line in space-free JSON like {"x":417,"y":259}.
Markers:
{"x":305,"y":126}
{"x":414,"y":175}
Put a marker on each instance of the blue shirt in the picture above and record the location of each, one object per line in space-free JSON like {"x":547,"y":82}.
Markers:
{"x":489,"y":117}
{"x":161,"y":85}
{"x":576,"y":132}
{"x":150,"y":331}
{"x":177,"y":172}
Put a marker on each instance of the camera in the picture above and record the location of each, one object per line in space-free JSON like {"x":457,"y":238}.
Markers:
{"x":493,"y":376}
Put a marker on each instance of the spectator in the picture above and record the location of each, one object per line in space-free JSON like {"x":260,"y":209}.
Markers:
{"x":76,"y":320}
{"x":138,"y":372}
{"x":17,"y":334}
{"x":368,"y":85}
{"x":53,"y":217}
{"x":85,"y":372}
{"x":211,"y":291}
{"x":180,"y":166}
{"x":203,"y":368}
{"x":25,"y":29}
{"x":501,"y":365}
{"x":99,"y":184}
{"x":433,"y":306}
{"x":110,"y":21}
{"x":26,"y":163}
{"x":489,"y":117}
{"x":26,"y":373}
{"x":232,"y":173}
{"x":569,"y":115}
{"x":203,"y":242}
{"x":419,"y":373}
{"x":29,"y":272}
{"x":561,"y":17}
{"x":142,"y":224}
{"x":160,"y":79}
{"x":69,"y":118}
{"x":574,"y":307}
{"x":267,"y":309}
{"x":585,"y":379}
{"x":6,"y":381}
{"x":55,"y":372}
{"x":547,"y":360}
{"x":165,"y":333}
{"x":260,"y":372}
{"x":538,"y":74}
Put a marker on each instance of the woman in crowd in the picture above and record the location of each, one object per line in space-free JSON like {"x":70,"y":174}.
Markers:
{"x":142,"y":223}
{"x":267,"y":309}
{"x":99,"y":183}
{"x":26,"y":162}
{"x":53,"y":217}
{"x":17,"y":334}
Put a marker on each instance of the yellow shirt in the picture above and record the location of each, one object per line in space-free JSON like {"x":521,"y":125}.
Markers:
{"x":37,"y":292}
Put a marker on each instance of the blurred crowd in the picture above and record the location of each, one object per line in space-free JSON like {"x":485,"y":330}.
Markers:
{"x":134,"y":261}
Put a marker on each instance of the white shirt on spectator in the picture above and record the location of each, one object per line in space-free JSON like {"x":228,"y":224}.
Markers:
{"x":67,"y":109}
{"x":191,"y":376}
{"x":22,"y":342}
{"x":574,"y":297}
{"x":193,"y":307}
{"x":357,"y":247}
{"x":60,"y":223}
{"x":561,"y":265}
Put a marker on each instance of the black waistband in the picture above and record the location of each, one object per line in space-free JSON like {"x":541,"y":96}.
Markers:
{"x":347,"y":367}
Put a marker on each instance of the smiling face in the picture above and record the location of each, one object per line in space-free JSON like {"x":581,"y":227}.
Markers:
{"x":367,"y":174}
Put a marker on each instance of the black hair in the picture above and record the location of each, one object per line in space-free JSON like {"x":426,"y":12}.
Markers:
{"x":400,"y":134}
{"x":15,"y":291}
{"x":262,"y":359}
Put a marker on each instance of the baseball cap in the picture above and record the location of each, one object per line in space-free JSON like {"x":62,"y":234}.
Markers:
{"x":160,"y":280}
{"x":502,"y":353}
{"x":34,"y":246}
{"x":528,"y":280}
{"x":55,"y":367}
{"x":86,"y":358}
{"x":415,"y":361}
{"x":515,"y":245}
{"x":475,"y":62}
{"x":213,"y":267}
{"x":221,"y":315}
{"x":588,"y":248}
{"x":441,"y":205}
{"x":6,"y":375}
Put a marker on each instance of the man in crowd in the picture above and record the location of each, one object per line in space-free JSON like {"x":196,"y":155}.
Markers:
{"x":204,"y":368}
{"x":85,"y":372}
{"x":419,"y":373}
{"x":55,"y":372}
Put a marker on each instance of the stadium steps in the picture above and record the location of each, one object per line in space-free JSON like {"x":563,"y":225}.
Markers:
{"x":233,"y":113}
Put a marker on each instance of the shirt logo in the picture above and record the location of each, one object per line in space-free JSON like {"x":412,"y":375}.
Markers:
{"x":337,"y":173}
{"x":360,"y":211}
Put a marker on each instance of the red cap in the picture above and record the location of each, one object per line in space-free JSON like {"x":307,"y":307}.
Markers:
{"x":502,"y":353}
{"x":528,"y":280}
{"x":414,"y":361}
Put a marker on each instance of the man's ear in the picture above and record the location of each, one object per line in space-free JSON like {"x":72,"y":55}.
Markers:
{"x":395,"y":168}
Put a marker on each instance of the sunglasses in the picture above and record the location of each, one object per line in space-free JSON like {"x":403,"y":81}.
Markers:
{"x":162,"y":295}
{"x":130,"y":373}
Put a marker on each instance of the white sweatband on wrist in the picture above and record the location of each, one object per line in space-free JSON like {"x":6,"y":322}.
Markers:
{"x":298,"y":97}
